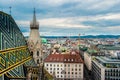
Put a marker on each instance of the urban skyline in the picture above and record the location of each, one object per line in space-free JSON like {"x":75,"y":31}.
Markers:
{"x":54,"y":57}
{"x":66,"y":17}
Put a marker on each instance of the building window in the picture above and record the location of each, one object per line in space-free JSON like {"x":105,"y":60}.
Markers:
{"x":65,"y":72}
{"x":68,"y":65}
{"x":68,"y":72}
{"x":79,"y":69}
{"x":72,"y":69}
{"x":37,"y":53}
{"x":46,"y":64}
{"x":65,"y":65}
{"x":79,"y":65}
{"x":50,"y":64}
{"x":79,"y":72}
{"x":76,"y":65}
{"x":75,"y":69}
{"x":72,"y":72}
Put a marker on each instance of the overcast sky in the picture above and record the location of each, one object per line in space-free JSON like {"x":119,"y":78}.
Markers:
{"x":66,"y":17}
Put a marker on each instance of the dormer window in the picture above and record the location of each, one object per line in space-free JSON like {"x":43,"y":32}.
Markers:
{"x":64,"y":59}
{"x":68,"y":59}
{"x":71,"y":59}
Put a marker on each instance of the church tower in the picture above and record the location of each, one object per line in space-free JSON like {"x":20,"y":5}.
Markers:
{"x":34,"y":41}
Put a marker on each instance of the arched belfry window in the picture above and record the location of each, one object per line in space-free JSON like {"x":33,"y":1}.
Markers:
{"x":37,"y":53}
{"x":41,"y":59}
{"x":38,"y":61}
{"x":31,"y":53}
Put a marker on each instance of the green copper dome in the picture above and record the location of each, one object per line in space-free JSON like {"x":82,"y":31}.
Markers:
{"x":44,"y":40}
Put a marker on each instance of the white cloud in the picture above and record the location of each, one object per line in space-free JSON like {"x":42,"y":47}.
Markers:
{"x":114,"y":28}
{"x":57,"y":22}
{"x":23,"y":23}
{"x":103,"y":5}
{"x":62,"y":23}
{"x":110,"y":16}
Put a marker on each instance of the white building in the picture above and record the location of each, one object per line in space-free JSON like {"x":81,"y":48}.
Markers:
{"x":106,"y":68}
{"x":65,"y":66}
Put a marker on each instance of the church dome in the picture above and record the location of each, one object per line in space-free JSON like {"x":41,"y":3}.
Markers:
{"x":44,"y":40}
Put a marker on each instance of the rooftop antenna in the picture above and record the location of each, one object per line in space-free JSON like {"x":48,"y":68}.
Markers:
{"x":10,"y":9}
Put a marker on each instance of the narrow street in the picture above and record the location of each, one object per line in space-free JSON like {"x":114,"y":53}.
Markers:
{"x":87,"y":76}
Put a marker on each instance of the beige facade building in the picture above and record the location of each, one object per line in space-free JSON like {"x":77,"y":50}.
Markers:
{"x":89,"y":55}
{"x":88,"y":60}
{"x":65,"y":66}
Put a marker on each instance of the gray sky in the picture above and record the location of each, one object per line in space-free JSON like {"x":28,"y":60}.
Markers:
{"x":66,"y":17}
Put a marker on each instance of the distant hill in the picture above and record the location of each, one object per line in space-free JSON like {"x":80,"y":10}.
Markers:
{"x":87,"y":36}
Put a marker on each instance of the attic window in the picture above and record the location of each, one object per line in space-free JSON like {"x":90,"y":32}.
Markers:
{"x":68,"y":59}
{"x":71,"y":59}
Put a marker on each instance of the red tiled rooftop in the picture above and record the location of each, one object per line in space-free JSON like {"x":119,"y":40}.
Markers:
{"x":65,"y":58}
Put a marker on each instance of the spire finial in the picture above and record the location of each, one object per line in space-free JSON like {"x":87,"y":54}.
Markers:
{"x":10,"y":9}
{"x":34,"y":24}
{"x":34,"y":17}
{"x":34,"y":11}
